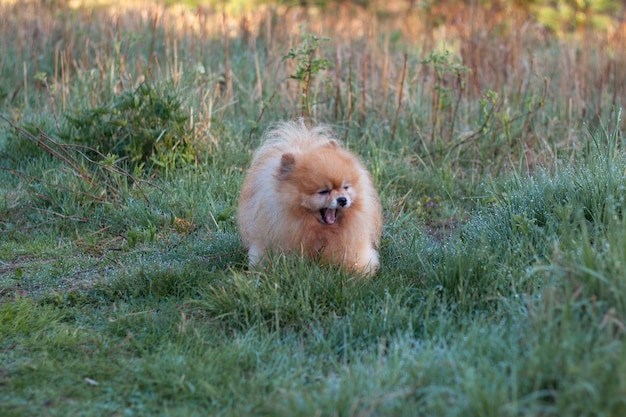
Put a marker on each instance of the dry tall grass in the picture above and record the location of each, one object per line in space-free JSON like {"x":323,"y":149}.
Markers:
{"x":381,"y":71}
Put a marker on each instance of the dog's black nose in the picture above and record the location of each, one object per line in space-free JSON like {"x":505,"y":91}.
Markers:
{"x":342,"y":201}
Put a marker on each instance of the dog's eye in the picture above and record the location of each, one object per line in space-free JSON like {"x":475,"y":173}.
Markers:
{"x":346,"y":187}
{"x":323,"y":192}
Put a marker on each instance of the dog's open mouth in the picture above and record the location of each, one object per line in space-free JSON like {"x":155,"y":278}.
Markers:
{"x":329,"y":216}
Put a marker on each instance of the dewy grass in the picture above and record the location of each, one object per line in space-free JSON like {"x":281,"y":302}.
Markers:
{"x":126,"y":291}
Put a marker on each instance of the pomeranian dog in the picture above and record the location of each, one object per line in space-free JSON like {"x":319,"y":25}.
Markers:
{"x":304,"y":193}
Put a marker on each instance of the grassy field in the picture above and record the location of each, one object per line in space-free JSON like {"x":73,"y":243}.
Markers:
{"x":497,"y":148}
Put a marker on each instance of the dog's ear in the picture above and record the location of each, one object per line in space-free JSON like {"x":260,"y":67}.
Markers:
{"x":287,"y":161}
{"x":332,"y":143}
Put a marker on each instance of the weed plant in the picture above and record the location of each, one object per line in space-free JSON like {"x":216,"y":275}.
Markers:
{"x":498,"y":151}
{"x":143,"y":126}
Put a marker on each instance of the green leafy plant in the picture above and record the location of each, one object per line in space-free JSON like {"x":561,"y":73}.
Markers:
{"x":447,"y":90}
{"x":307,"y":67}
{"x":142,"y":126}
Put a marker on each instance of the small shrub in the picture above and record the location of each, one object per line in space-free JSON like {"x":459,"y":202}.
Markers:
{"x":147,"y":127}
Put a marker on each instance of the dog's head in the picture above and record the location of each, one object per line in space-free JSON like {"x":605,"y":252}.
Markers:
{"x":323,"y":182}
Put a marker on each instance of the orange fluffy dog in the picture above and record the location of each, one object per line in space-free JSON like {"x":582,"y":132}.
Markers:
{"x":307,"y":194}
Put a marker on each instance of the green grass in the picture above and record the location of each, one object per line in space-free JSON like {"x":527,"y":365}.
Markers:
{"x":123,"y":284}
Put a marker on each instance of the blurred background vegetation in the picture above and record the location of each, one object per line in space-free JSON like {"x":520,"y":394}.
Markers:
{"x":561,"y":16}
{"x":463,"y":82}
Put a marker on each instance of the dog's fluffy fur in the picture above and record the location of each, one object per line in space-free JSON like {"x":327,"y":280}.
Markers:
{"x":307,"y":194}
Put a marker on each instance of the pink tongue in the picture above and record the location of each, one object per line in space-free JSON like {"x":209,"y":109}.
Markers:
{"x":329,"y":215}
